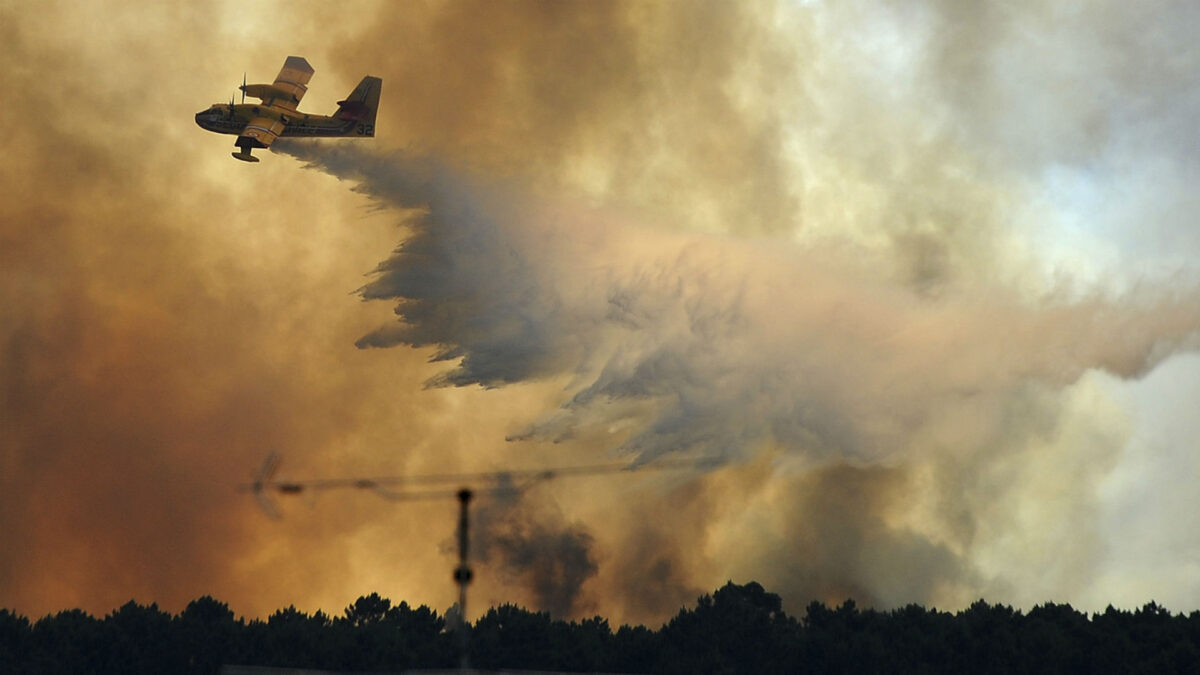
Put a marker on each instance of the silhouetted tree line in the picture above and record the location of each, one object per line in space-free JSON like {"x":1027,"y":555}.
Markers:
{"x":737,"y":629}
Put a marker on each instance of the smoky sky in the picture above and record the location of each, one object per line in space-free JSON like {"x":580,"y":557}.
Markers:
{"x":723,"y":347}
{"x":920,"y":273}
{"x":531,"y":545}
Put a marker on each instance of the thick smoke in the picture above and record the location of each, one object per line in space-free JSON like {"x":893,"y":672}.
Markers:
{"x":531,"y":544}
{"x":160,"y":332}
{"x":894,"y":262}
{"x":732,"y":347}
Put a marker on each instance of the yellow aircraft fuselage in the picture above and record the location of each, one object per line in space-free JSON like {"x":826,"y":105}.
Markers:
{"x":226,"y":118}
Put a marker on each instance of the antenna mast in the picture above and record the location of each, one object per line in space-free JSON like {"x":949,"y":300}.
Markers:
{"x":400,"y":488}
{"x":462,"y":576}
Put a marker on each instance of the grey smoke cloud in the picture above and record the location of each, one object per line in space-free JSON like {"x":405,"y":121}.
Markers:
{"x":531,"y":544}
{"x":734,"y":347}
{"x":897,"y":255}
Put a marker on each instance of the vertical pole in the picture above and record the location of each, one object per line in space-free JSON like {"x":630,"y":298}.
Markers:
{"x":462,"y":575}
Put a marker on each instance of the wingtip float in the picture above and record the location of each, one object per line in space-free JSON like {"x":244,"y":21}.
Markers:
{"x":257,"y":125}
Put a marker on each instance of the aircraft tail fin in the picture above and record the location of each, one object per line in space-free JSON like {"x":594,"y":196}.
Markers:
{"x":361,"y":105}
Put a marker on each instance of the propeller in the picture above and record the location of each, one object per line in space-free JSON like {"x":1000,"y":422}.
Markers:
{"x":262,"y":479}
{"x":243,"y":87}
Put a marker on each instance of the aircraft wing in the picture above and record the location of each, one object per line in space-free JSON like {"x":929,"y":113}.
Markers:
{"x":293,"y":78}
{"x":289,"y":86}
{"x":260,"y":132}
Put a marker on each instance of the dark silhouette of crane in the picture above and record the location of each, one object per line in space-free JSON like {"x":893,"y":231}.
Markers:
{"x":440,"y":486}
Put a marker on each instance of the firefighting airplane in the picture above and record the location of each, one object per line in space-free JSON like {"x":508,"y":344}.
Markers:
{"x":258,"y":125}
